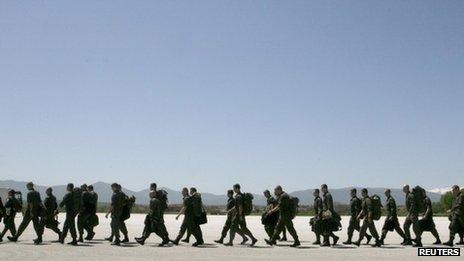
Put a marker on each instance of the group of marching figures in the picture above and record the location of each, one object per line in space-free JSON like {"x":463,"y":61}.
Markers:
{"x":80,"y":206}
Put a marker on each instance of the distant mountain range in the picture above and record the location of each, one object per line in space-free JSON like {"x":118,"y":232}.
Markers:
{"x":103,"y":189}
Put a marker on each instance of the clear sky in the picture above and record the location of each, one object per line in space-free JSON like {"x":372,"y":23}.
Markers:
{"x":209,"y":93}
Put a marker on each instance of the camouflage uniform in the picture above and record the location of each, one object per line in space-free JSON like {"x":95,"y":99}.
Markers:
{"x":391,"y":220}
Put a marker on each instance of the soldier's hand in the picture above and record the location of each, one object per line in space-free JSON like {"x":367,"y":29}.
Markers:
{"x":177,"y":217}
{"x":106,"y":216}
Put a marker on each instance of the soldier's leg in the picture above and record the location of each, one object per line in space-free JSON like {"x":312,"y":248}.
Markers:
{"x":38,"y":227}
{"x":245,"y":230}
{"x":406,"y":227}
{"x":225,"y":229}
{"x":373,"y":230}
{"x":399,"y":230}
{"x":291,"y":230}
{"x":80,"y":226}
{"x":350,"y":231}
{"x":123,"y":228}
{"x":115,"y":228}
{"x":417,"y":230}
{"x":233,"y":229}
{"x":362,"y":231}
{"x":269,"y":230}
{"x":278,"y":229}
{"x":183,"y":228}
{"x":26,"y":220}
{"x":284,"y":234}
{"x":436,"y":235}
{"x":72,"y":226}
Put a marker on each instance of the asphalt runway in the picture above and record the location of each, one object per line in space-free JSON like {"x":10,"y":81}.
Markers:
{"x":98,"y":249}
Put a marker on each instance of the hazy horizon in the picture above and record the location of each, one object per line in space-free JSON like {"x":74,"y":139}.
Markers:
{"x":213,"y":93}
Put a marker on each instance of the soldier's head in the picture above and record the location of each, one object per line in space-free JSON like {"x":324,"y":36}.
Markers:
{"x":364,"y":192}
{"x":316,"y":193}
{"x":119,"y":187}
{"x":406,"y":188}
{"x":153,"y":186}
{"x":387,"y":193}
{"x":90,"y":188}
{"x":11,"y":192}
{"x":324,"y":188}
{"x":84,"y":187}
{"x":114,"y":187}
{"x":236,"y":188}
{"x":70,"y":187}
{"x":152,"y":194}
{"x":278,"y":190}
{"x":49,"y":191}
{"x":185,"y":192}
{"x":30,"y":186}
{"x":455,"y":190}
{"x":267,"y":193}
{"x":353,"y":192}
{"x":193,"y":190}
{"x":230,"y":193}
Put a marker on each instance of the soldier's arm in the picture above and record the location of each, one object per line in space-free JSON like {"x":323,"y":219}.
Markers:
{"x":181,"y":211}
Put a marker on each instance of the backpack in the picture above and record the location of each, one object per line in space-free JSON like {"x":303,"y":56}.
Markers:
{"x":127,"y":209}
{"x":293,"y":206}
{"x":376,"y":207}
{"x":418,"y":194}
{"x":247,"y":203}
{"x":162,"y":195}
{"x":77,"y":197}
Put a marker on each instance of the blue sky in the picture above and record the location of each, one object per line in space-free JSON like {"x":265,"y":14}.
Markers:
{"x":210,"y":93}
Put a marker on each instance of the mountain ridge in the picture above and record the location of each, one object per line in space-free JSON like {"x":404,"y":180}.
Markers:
{"x":340,"y":195}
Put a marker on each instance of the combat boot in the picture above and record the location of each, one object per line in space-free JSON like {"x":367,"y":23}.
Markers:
{"x":296,"y":243}
{"x":245,"y":239}
{"x":73,"y":242}
{"x":368,"y":237}
{"x":270,"y":242}
{"x":140,"y":240}
{"x":219,"y":241}
{"x":335,"y":239}
{"x":12,"y":239}
{"x":438,"y":242}
{"x":449,"y":243}
{"x":116,"y":242}
{"x":125,"y":240}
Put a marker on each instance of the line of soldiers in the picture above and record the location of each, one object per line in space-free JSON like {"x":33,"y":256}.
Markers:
{"x":78,"y":202}
{"x":81,"y":204}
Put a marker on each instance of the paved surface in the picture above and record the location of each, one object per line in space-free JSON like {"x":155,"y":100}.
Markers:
{"x":101,"y":250}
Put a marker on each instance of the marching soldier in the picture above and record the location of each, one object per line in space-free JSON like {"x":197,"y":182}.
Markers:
{"x":315,"y":222}
{"x":285,"y":218}
{"x":71,"y":206}
{"x":411,"y":218}
{"x":367,"y":215}
{"x":391,"y":220}
{"x":355,"y":209}
{"x":457,"y":215}
{"x":331,"y":219}
{"x":33,"y":212}
{"x":152,"y":223}
{"x":230,"y":213}
{"x":426,"y":223}
{"x":12,"y":206}
{"x":49,"y":219}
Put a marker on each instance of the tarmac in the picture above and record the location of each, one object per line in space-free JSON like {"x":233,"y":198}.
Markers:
{"x":99,"y":249}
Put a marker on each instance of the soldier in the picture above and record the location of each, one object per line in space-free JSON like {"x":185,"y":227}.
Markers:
{"x":367,"y":214}
{"x":83,"y":219}
{"x":238,"y":220}
{"x":270,"y":219}
{"x":315,"y":222}
{"x":285,"y":217}
{"x":12,"y":205}
{"x":355,"y":209}
{"x":391,"y":220}
{"x":330,"y":218}
{"x":457,"y":215}
{"x":91,"y":207}
{"x":33,"y":212}
{"x":49,"y":219}
{"x":155,"y":217}
{"x":411,"y":218}
{"x":189,"y":223}
{"x":118,"y":201}
{"x":197,"y":211}
{"x":69,"y":202}
{"x":426,"y":223}
{"x":230,"y":210}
